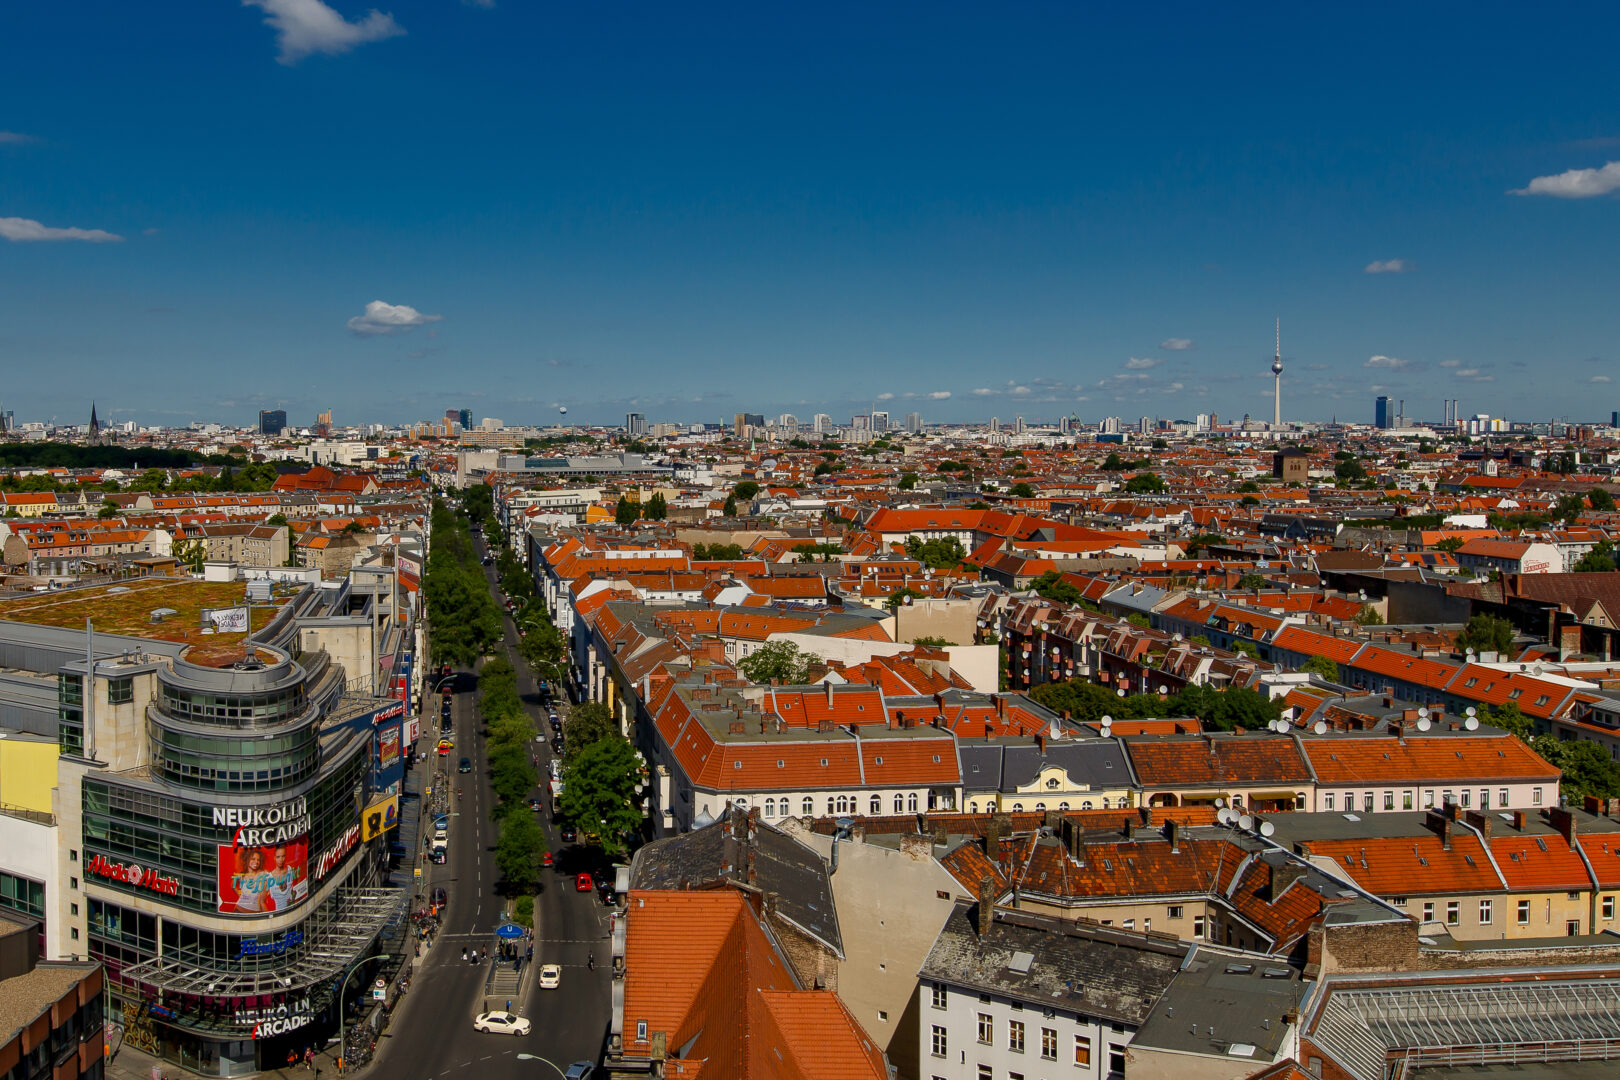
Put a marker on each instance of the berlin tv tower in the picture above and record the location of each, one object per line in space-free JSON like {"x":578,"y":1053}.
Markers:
{"x":1276,"y":387}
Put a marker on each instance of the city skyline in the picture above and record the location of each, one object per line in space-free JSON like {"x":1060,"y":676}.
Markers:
{"x":1041,"y":212}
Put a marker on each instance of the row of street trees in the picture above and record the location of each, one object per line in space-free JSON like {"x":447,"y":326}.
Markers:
{"x":1220,"y":709}
{"x":463,"y":621}
{"x":509,"y":738}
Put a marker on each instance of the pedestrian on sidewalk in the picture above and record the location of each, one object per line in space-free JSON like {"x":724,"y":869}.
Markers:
{"x":309,"y":1058}
{"x":292,"y":1059}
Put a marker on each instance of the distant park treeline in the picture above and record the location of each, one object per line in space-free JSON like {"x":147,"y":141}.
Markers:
{"x":56,"y":455}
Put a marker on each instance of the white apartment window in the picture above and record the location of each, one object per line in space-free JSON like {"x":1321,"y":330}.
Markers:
{"x":770,"y":807}
{"x":1428,"y":799}
{"x":1608,"y":907}
{"x":1129,"y":924}
{"x":1367,"y":802}
{"x":1524,"y":913}
{"x":1349,"y":800}
{"x":1049,"y":1044}
{"x":1535,"y":796}
{"x":1484,"y":798}
{"x":1406,"y":800}
{"x":1428,"y":912}
{"x":1389,"y":800}
{"x":1198,"y":927}
{"x":939,"y":996}
{"x":809,"y":806}
{"x":911,"y":802}
{"x":641,"y":1031}
{"x":1116,"y":1058}
{"x":1466,"y":801}
{"x":899,"y":805}
{"x":1453,"y":912}
{"x":940,"y":1043}
{"x":986,"y":1073}
{"x":987,"y":1028}
{"x":1501,"y":798}
{"x":1082,"y":1050}
{"x":1484,"y":913}
{"x":1015,"y":1036}
{"x":877,"y":805}
{"x":1327,"y":802}
{"x":1175,"y":911}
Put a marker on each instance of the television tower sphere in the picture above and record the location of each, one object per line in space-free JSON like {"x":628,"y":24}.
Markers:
{"x":1276,"y":366}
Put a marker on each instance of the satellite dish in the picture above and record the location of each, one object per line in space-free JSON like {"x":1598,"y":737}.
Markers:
{"x":1267,"y":828}
{"x":1246,"y":822}
{"x":1273,"y":725}
{"x":1423,"y":724}
{"x":1471,"y":711}
{"x":1220,"y":803}
{"x":1320,"y":727}
{"x":1472,"y":723}
{"x":1224,"y":816}
{"x":1282,"y":727}
{"x":1106,"y":720}
{"x":1423,"y":713}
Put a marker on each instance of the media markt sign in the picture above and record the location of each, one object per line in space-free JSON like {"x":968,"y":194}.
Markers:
{"x":133,"y":874}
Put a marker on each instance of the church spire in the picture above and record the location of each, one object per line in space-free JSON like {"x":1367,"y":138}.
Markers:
{"x":95,"y":425}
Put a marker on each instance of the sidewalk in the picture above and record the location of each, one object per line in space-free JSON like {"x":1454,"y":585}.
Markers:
{"x":132,"y":1064}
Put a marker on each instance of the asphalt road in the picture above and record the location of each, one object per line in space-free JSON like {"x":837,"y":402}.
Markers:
{"x":431,"y":1035}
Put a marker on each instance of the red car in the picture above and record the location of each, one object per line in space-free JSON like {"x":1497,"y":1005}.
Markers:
{"x":547,"y":859}
{"x":583,"y":883}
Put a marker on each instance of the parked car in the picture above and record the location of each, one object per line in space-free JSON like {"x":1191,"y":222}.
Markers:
{"x":465,"y":766}
{"x":440,"y":897}
{"x":583,"y":883}
{"x":501,"y":1023}
{"x":568,"y":834}
{"x":548,"y":859}
{"x":536,"y":805}
{"x":580,"y":1070}
{"x":550,"y":977}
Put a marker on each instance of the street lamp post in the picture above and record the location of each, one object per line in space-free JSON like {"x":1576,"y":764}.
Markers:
{"x":343,"y":990}
{"x":537,"y":1057}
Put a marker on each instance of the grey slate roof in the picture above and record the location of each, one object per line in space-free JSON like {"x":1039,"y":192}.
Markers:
{"x":1006,"y":766}
{"x":1221,"y":1000}
{"x":1087,"y":970}
{"x":724,"y":854}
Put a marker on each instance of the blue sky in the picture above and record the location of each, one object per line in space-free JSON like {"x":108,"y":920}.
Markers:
{"x":207,"y":208}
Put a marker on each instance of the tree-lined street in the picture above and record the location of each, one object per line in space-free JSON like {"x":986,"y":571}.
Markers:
{"x":432,"y":1034}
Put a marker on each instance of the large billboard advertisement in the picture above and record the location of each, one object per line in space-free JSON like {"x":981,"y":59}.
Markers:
{"x":388,"y":745}
{"x":379,"y":817}
{"x":271,"y":877}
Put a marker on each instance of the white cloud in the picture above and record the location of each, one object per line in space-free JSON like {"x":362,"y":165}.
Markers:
{"x":885,"y":397}
{"x":1600,"y":379}
{"x":1018,"y":390}
{"x":938,"y":395}
{"x":25,"y":230}
{"x":1472,"y":374}
{"x":1575,"y":184}
{"x":1142,"y":363}
{"x":1389,"y":362}
{"x":304,"y":27}
{"x":1450,"y":363}
{"x":381,"y":318}
{"x":16,"y":138}
{"x":1388,"y":266}
{"x":1176,"y":344}
{"x":982,"y":391}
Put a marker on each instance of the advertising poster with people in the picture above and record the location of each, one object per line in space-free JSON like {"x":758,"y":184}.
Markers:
{"x":262,"y":879}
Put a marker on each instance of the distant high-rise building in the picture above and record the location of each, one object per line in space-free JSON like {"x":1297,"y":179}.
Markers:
{"x":914,"y":422}
{"x":820,"y":422}
{"x":464,"y":416}
{"x":741,"y":422}
{"x":995,"y":423}
{"x":1382,"y":417}
{"x":788,"y":423}
{"x":880,"y":421}
{"x":635,"y":425}
{"x":1111,"y":425}
{"x":272,"y":421}
{"x":1201,"y":423}
{"x":1018,"y":426}
{"x":1144,"y":425}
{"x":1614,"y":419}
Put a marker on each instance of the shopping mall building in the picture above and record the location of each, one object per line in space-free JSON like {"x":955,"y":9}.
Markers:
{"x":221,"y":824}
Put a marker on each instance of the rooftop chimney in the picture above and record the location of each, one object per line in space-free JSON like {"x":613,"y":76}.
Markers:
{"x":987,"y":904}
{"x":1564,"y":821}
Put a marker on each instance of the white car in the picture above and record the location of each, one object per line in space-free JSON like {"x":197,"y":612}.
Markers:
{"x":502,"y":1023}
{"x":550,"y":977}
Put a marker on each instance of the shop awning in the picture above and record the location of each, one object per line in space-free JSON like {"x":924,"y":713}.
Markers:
{"x":335,"y":936}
